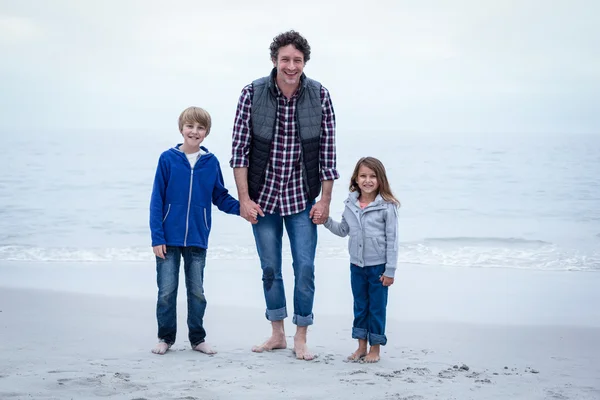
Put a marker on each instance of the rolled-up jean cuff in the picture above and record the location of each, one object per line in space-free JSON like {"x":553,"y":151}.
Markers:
{"x":276,"y":315}
{"x":302,"y":321}
{"x":359,"y":333}
{"x":377,"y":339}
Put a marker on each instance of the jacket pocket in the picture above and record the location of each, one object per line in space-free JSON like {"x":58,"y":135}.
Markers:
{"x":174,"y":223}
{"x":167,"y":213}
{"x":353,"y":246}
{"x":379,"y":245}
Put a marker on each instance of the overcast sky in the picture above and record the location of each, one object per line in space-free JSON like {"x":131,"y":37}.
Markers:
{"x":423,"y":65}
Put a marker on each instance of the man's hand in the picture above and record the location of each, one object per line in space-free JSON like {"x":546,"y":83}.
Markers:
{"x":250,"y":211}
{"x":160,"y":251}
{"x":386,"y":280}
{"x":319,"y":212}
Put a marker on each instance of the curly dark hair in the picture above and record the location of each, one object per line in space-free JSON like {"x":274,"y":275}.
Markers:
{"x":290,"y":37}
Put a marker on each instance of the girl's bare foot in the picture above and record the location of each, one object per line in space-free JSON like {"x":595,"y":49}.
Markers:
{"x":161,"y":348}
{"x":373,"y":355}
{"x":360,"y":352}
{"x":204,"y":348}
{"x":357,"y":355}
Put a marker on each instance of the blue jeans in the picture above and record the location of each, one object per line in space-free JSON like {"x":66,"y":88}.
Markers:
{"x":370,"y":301}
{"x":302,"y":233}
{"x":167,"y":278}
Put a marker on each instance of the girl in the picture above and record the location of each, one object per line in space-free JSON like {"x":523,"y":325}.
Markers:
{"x":371,"y":221}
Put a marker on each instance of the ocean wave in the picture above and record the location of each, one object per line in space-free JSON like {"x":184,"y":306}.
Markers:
{"x":466,"y":240}
{"x":463,"y":253}
{"x":110,"y":254}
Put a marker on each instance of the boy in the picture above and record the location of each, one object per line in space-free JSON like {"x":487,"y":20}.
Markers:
{"x":188,"y":179}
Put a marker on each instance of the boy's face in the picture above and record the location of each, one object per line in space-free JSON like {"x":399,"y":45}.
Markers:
{"x":193,"y":134}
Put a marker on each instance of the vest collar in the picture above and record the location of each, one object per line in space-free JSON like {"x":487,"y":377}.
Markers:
{"x":275,"y":91}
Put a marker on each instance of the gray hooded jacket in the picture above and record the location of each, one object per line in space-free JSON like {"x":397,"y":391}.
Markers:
{"x":372,"y":230}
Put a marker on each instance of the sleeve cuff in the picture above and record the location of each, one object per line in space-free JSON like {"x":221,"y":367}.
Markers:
{"x":239,"y":163}
{"x":329,"y":174}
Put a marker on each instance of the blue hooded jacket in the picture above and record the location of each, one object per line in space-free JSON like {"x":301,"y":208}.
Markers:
{"x":180,"y":207}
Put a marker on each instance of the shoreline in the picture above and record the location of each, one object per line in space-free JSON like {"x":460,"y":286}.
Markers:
{"x":469,"y":295}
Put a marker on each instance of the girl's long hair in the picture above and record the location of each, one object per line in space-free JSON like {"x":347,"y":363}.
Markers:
{"x":384,"y":186}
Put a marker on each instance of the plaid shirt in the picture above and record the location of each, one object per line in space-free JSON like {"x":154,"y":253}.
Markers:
{"x":283,"y":189}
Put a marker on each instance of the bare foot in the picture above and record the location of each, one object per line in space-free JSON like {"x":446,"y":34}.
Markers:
{"x":300,"y":349}
{"x":357,"y":355}
{"x":373,"y":355}
{"x":360,"y":352}
{"x":161,"y":348}
{"x":204,"y":348}
{"x":275,"y":342}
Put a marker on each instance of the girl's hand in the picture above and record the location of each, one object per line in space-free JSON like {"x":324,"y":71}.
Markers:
{"x":160,"y":251}
{"x":386,"y":280}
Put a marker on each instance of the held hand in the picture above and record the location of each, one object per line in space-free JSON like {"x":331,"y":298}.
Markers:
{"x":386,"y":280}
{"x":160,"y":251}
{"x":319,"y":212}
{"x":250,"y":211}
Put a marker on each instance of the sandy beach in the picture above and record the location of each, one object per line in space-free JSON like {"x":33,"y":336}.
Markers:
{"x":84,"y":331}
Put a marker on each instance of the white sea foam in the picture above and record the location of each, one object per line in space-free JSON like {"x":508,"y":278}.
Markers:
{"x":479,"y":253}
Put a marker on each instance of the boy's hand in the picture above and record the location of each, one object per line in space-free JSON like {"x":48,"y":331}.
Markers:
{"x":250,"y":211}
{"x":386,"y":280}
{"x":160,"y":250}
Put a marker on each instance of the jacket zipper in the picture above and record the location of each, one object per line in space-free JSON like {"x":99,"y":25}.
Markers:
{"x":167,"y":214}
{"x":187,"y":218}
{"x":361,"y":213}
{"x":205,"y":220}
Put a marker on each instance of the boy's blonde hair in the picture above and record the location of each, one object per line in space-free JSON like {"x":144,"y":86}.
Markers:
{"x":195,"y":114}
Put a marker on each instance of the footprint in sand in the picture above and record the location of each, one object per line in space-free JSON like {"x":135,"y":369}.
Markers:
{"x":447,"y":374}
{"x":358,"y":371}
{"x":556,"y":395}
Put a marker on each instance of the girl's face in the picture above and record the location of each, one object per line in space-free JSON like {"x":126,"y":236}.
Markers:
{"x":367,"y":180}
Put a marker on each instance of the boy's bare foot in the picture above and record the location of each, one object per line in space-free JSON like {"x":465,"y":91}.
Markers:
{"x":373,"y":355}
{"x":275,"y":342}
{"x":300,"y":349}
{"x":161,"y":348}
{"x":360,"y":352}
{"x":204,"y":348}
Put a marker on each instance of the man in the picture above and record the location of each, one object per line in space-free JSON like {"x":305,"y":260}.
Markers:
{"x":283,"y":156}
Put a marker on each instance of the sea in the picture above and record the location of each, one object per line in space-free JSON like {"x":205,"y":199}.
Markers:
{"x":526,"y":201}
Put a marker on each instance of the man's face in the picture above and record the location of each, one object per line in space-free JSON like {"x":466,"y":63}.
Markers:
{"x":289,"y":64}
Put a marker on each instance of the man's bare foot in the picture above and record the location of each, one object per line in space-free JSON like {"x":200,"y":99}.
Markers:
{"x":300,"y":349}
{"x":204,"y":348}
{"x":161,"y":348}
{"x":373,"y":355}
{"x":275,"y":342}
